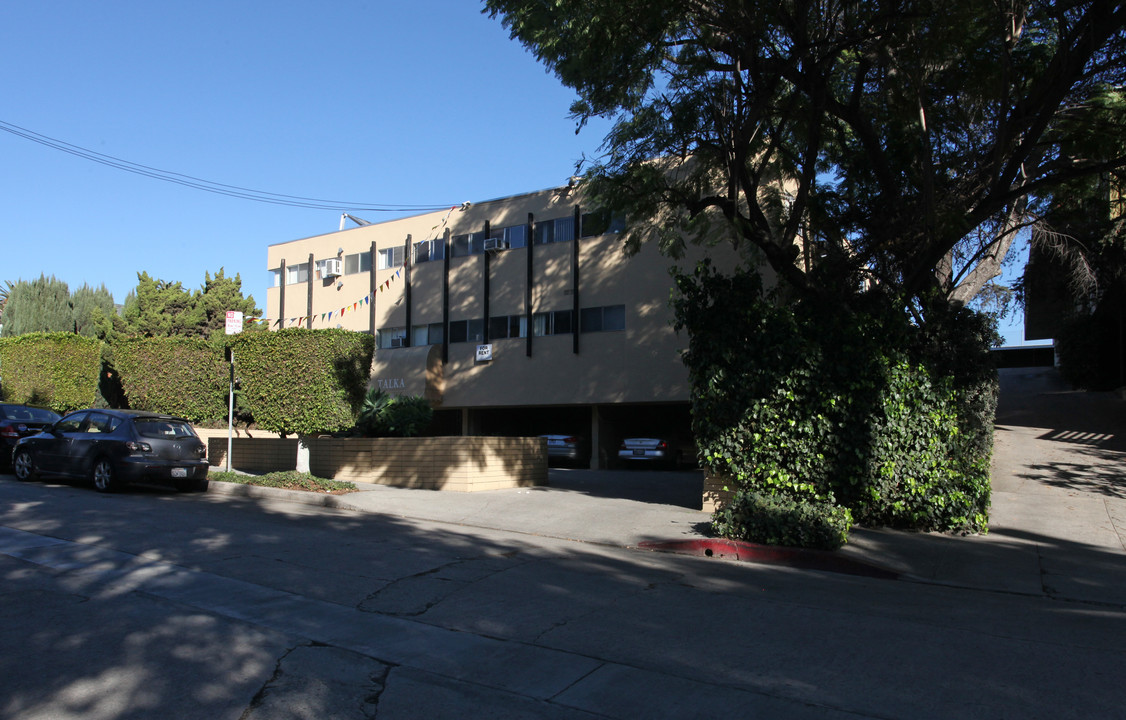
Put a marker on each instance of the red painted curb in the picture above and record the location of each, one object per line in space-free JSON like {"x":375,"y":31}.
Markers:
{"x":753,"y":552}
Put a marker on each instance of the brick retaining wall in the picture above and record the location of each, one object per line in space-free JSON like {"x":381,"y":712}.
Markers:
{"x":462,"y":464}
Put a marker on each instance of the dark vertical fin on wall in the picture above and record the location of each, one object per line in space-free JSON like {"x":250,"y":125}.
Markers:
{"x":575,"y":282}
{"x":528,"y":284}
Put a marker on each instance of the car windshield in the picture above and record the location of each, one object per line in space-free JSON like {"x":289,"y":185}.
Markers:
{"x":27,"y":414}
{"x":163,"y":428}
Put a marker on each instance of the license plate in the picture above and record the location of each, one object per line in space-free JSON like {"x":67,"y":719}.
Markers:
{"x":180,"y":472}
{"x":640,"y":453}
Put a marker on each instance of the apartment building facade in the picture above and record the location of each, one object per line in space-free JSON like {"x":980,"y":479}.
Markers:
{"x":516,"y":316}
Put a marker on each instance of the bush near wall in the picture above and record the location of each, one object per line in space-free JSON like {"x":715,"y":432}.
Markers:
{"x":303,"y":381}
{"x":855,"y":410}
{"x":187,"y":377}
{"x":55,"y":370}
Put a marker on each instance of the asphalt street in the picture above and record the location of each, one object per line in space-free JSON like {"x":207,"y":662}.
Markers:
{"x":539,"y":603}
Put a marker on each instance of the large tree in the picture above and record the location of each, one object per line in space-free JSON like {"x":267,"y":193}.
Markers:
{"x":880,"y":157}
{"x":40,"y":305}
{"x":160,"y":308}
{"x":913,"y":138}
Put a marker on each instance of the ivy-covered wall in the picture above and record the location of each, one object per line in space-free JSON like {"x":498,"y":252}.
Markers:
{"x":303,"y":381}
{"x":840,"y":409}
{"x":180,"y":376}
{"x":55,"y":370}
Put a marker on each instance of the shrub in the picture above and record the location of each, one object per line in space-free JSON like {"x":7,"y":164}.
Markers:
{"x":187,"y":377}
{"x":303,"y":381}
{"x":780,"y":520}
{"x":55,"y":370}
{"x":384,"y":415}
{"x":854,"y":407}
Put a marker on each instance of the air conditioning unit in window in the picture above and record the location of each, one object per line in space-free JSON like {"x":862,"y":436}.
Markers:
{"x":396,"y":342}
{"x":494,"y":244}
{"x":331,"y":268}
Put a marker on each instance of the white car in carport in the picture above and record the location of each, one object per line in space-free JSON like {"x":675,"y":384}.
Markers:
{"x":649,"y":450}
{"x":570,"y":448}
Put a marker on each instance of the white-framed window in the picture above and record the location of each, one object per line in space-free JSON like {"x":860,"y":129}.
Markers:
{"x":276,"y":277}
{"x":297,"y":273}
{"x":392,"y":337}
{"x":357,"y":263}
{"x":390,"y":258}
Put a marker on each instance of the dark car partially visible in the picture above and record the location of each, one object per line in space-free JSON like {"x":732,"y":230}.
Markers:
{"x":17,"y":421}
{"x":113,"y":448}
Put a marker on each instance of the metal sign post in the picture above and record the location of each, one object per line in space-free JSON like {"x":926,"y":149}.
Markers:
{"x":231,"y":413}
{"x":233,"y":327}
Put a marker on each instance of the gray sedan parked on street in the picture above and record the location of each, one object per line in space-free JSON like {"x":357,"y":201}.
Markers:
{"x":115,"y":447}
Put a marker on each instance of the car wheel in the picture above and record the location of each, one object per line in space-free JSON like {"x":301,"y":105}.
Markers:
{"x":105,"y":479}
{"x":22,"y":466}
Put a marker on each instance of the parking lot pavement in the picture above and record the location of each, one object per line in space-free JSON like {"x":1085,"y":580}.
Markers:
{"x":1057,"y":521}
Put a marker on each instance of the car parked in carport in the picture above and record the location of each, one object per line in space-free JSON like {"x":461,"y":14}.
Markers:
{"x":656,"y":451}
{"x":569,"y":448}
{"x":17,"y":421}
{"x":114,"y":448}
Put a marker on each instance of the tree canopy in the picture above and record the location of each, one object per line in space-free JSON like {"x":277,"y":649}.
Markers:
{"x":159,"y":308}
{"x":907,"y":141}
{"x":40,"y":305}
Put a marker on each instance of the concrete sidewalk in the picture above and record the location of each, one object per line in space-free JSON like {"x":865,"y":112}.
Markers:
{"x":1057,"y":523}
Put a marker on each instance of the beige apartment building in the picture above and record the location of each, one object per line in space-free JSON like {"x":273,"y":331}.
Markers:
{"x":516,"y":316}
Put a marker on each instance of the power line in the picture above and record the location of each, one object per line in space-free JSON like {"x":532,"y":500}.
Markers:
{"x":206,"y":185}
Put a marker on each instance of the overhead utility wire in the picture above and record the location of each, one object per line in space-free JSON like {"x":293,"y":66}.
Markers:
{"x":207,"y":185}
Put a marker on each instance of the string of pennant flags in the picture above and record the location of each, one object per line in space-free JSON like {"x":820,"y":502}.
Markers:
{"x":307,"y":320}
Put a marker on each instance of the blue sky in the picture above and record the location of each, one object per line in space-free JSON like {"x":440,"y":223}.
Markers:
{"x":419,"y":103}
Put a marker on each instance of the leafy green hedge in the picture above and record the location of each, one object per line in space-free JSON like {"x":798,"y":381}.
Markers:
{"x":303,"y":381}
{"x":855,"y":407}
{"x":181,"y":376}
{"x":56,"y":370}
{"x":780,"y":520}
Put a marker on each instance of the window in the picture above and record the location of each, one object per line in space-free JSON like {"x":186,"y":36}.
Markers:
{"x":390,"y":258}
{"x":428,"y":250}
{"x":276,"y":277}
{"x":297,"y":273}
{"x":467,"y":331}
{"x":508,"y":326}
{"x":167,"y":429}
{"x":426,"y":334}
{"x":102,"y":423}
{"x":392,"y":337}
{"x":71,"y":423}
{"x":557,"y":230}
{"x":515,"y":236}
{"x":357,"y":263}
{"x":558,"y":322}
{"x":468,"y":244}
{"x":601,"y":222}
{"x":603,"y":319}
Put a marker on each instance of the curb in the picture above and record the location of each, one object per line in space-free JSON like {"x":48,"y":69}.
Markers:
{"x":752,"y":552}
{"x":303,"y":497}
